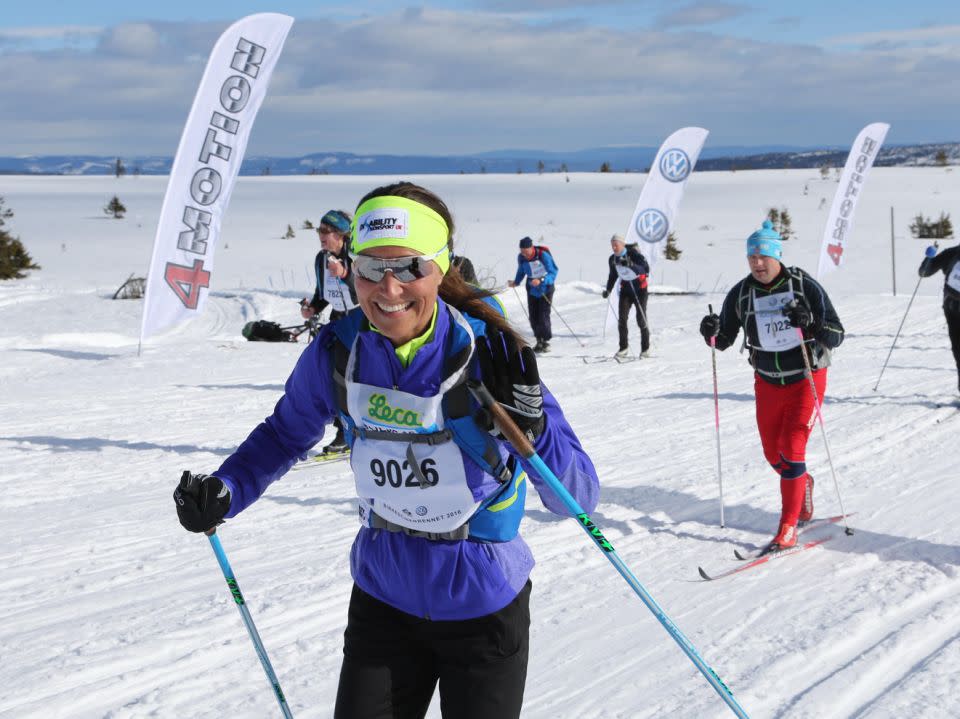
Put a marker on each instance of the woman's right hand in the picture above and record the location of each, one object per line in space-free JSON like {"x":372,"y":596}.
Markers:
{"x":202,"y":501}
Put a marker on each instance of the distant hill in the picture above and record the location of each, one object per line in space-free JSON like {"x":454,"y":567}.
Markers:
{"x":620,"y":159}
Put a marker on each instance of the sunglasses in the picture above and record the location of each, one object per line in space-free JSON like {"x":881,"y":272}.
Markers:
{"x":404,"y":269}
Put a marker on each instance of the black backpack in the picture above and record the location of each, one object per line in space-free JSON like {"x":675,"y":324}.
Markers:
{"x":266,"y":331}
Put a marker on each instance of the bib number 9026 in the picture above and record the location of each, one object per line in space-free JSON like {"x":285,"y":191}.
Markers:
{"x":396,"y":474}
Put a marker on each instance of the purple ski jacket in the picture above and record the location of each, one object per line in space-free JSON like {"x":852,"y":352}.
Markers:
{"x":434,"y":579}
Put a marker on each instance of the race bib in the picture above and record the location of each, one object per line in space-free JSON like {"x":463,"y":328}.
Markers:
{"x":336,"y":292}
{"x":774,"y":330}
{"x":537,"y":270}
{"x":626,"y":273}
{"x":953,"y":279}
{"x":389,"y":479}
{"x":414,"y":484}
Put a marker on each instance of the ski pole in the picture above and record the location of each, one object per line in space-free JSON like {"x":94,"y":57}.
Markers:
{"x":823,"y":429}
{"x":520,"y":442}
{"x":716,"y":415}
{"x":517,"y":293}
{"x":248,"y":621}
{"x":636,"y":301}
{"x":612,"y":310}
{"x":897,"y":336}
{"x":575,"y":336}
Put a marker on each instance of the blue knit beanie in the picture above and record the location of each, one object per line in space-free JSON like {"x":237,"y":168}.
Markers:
{"x":525,"y":243}
{"x":765,"y":241}
{"x":338,"y":220}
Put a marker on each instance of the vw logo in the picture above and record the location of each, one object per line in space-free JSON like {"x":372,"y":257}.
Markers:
{"x":675,"y":165}
{"x":652,"y":226}
{"x":421,"y":510}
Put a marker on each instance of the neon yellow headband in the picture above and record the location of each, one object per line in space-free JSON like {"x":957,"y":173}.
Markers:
{"x":397,"y":221}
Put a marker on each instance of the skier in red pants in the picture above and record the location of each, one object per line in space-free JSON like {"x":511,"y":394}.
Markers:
{"x":770,"y":304}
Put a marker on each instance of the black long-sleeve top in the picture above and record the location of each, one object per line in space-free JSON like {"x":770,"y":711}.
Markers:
{"x":635,"y":260}
{"x":944,"y":262}
{"x":787,"y":366}
{"x":319,"y":302}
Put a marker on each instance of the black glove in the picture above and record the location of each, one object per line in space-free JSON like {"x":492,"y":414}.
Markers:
{"x":202,"y":501}
{"x":800,"y":315}
{"x":710,"y":326}
{"x":511,"y":376}
{"x":605,"y":294}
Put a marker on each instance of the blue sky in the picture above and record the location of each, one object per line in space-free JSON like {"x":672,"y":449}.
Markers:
{"x":109,"y":77}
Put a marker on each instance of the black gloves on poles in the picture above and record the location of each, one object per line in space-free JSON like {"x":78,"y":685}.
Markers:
{"x":800,"y":316}
{"x":202,"y":501}
{"x":510,"y":374}
{"x":605,"y":294}
{"x":710,"y":326}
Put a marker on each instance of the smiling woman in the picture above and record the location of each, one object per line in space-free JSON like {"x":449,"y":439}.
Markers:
{"x":441,"y":575}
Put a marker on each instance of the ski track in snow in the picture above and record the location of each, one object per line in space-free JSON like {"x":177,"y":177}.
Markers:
{"x":111,"y":610}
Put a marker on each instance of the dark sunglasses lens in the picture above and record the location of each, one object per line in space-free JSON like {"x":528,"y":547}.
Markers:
{"x":373,"y":269}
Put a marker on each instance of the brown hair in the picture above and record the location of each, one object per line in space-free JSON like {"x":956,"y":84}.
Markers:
{"x":454,"y":290}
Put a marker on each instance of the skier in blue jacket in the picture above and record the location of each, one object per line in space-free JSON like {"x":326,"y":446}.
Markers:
{"x":441,"y":577}
{"x":536,"y":264}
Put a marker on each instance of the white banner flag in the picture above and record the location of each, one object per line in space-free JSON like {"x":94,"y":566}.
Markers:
{"x":656,"y":211}
{"x":840,"y":221}
{"x":205,"y":168}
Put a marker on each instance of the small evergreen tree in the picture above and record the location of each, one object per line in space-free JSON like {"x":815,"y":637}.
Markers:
{"x":605,"y":167}
{"x":307,"y":225}
{"x":824,"y":171}
{"x":540,"y":167}
{"x":923,"y":228}
{"x":782,"y":222}
{"x":941,"y":158}
{"x":13,"y":256}
{"x":563,"y":167}
{"x":671,"y":251}
{"x":118,"y":169}
{"x":289,"y":234}
{"x":115,"y":208}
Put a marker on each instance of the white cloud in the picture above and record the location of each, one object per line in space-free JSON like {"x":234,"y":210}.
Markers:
{"x":443,"y":82}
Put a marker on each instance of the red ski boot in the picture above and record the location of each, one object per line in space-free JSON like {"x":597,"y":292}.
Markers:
{"x":785,"y":539}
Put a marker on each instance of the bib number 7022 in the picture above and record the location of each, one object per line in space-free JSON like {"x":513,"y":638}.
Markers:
{"x":392,"y":472}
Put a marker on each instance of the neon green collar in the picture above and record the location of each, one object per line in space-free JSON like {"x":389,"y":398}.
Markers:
{"x":407,"y":350}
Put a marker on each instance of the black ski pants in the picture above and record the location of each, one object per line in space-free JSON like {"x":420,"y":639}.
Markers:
{"x":953,"y":328}
{"x":539,"y":308}
{"x":393,"y":660}
{"x":633,"y":296}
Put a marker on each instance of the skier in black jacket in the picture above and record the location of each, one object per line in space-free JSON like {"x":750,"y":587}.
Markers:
{"x":770,"y":304}
{"x":629,"y":266}
{"x":947,"y":262}
{"x":333,"y":269}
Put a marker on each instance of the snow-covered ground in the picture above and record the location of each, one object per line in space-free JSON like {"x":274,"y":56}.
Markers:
{"x":109,"y":609}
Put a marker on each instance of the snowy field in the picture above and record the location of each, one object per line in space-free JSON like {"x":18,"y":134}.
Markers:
{"x":110,"y":609}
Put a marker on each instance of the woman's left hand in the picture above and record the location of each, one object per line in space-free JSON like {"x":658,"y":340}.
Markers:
{"x":510,"y":373}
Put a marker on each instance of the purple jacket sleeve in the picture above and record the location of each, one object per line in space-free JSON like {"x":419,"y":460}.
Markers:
{"x":560,"y":450}
{"x":308,"y":404}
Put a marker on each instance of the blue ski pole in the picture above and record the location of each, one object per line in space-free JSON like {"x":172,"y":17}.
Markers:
{"x":520,"y":442}
{"x":248,"y":621}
